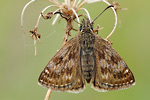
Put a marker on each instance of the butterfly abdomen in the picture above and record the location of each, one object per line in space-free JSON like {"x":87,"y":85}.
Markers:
{"x":87,"y":64}
{"x":87,"y":55}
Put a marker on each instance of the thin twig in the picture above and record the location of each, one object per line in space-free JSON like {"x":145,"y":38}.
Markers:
{"x":76,"y":16}
{"x":48,"y":94}
{"x":43,"y":12}
{"x":87,"y":13}
{"x":22,"y":14}
{"x":116,"y":19}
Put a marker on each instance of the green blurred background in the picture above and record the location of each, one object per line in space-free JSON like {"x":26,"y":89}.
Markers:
{"x":20,"y":69}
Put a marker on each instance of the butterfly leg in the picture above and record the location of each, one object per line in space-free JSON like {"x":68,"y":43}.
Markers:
{"x":96,"y":29}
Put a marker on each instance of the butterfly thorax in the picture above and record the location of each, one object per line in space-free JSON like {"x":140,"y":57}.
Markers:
{"x":87,"y":40}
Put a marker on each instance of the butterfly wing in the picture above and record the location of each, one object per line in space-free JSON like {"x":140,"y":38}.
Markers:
{"x":63,"y":71}
{"x":111,"y":72}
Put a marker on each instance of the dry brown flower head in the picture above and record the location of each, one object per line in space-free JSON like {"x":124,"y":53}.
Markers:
{"x":69,"y":8}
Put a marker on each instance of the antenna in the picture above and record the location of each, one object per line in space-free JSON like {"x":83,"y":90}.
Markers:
{"x":78,"y":22}
{"x":66,"y":16}
{"x":102,"y":12}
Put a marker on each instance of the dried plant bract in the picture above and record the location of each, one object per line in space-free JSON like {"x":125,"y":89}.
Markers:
{"x":68,"y":8}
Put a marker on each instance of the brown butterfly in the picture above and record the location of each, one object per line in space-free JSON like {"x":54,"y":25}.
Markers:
{"x":86,"y":57}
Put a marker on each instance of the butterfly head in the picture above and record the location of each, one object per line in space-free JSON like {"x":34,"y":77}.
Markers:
{"x":86,"y":26}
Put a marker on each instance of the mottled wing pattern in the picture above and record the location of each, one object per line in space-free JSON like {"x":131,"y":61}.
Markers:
{"x":63,"y":72}
{"x":111,"y":72}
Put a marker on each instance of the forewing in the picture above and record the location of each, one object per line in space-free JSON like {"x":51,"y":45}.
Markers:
{"x":111,"y":73}
{"x":63,"y":71}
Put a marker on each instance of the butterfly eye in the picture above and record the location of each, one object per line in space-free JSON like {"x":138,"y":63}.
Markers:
{"x":80,"y":27}
{"x":91,"y":27}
